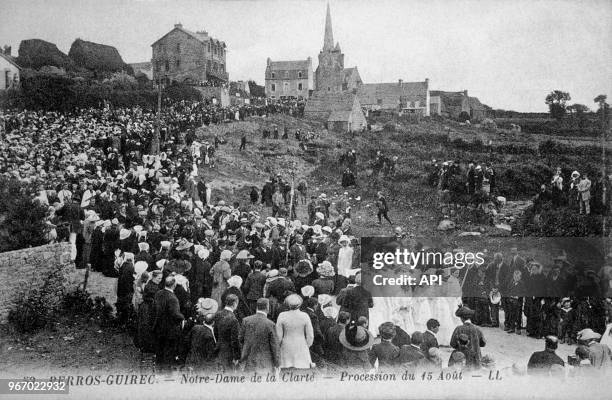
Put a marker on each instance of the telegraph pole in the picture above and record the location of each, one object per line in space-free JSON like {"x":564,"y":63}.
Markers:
{"x":155,"y":142}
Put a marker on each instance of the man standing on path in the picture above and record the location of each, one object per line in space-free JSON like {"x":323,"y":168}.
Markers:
{"x":383,"y":209}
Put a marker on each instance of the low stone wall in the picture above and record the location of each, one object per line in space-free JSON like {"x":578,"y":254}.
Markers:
{"x":27,"y":268}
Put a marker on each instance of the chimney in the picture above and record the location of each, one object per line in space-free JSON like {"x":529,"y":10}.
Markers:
{"x":465,"y":93}
{"x":268,"y":61}
{"x":179,"y":25}
{"x":427,"y":82}
{"x":400,"y":81}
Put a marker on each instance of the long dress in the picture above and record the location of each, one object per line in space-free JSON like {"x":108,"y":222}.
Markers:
{"x":145,"y":338}
{"x":220,"y":272}
{"x":345,"y":261}
{"x":295,"y":332}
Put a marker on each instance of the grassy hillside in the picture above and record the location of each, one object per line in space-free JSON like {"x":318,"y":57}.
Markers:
{"x":413,"y":204}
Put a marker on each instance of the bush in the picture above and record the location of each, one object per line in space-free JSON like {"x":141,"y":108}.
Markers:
{"x":35,"y":306}
{"x":555,"y":222}
{"x":22,"y":221}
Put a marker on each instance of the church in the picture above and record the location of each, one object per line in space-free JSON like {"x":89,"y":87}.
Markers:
{"x":334,"y":99}
{"x":331,"y":76}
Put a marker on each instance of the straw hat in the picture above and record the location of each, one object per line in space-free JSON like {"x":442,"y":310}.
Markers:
{"x":326,"y":269}
{"x":183,"y":244}
{"x":244,"y":255}
{"x":207,"y":306}
{"x":124,"y":234}
{"x":226,"y":255}
{"x":307,"y":291}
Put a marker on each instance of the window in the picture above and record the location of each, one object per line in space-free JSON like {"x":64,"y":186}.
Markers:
{"x":167,"y":66}
{"x":328,"y":89}
{"x":273,"y":87}
{"x":7,"y":79}
{"x":417,"y":104}
{"x":285,"y":87}
{"x":379,"y":102}
{"x":299,"y":86}
{"x":299,"y":74}
{"x":209,"y":47}
{"x":178,"y":47}
{"x":208,"y":65}
{"x":273,"y":75}
{"x":178,"y":64}
{"x":286,"y":74}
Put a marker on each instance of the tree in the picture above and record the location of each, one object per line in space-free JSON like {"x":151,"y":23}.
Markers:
{"x":604,"y":107}
{"x":577,"y":112}
{"x":556,"y":101}
{"x":256,"y":90}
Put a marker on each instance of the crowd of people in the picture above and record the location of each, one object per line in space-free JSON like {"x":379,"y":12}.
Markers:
{"x":560,"y":299}
{"x":209,"y":283}
{"x":580,"y":194}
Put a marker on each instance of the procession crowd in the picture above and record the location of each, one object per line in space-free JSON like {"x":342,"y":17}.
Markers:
{"x":205,"y":282}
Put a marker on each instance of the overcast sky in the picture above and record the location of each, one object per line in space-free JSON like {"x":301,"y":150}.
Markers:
{"x":510,"y":54}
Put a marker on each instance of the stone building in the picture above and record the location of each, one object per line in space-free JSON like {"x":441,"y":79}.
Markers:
{"x":452,"y":104}
{"x":405,"y":97}
{"x":9,"y":70}
{"x":341,"y":111}
{"x":331,"y":76}
{"x":289,"y":79}
{"x":189,"y":57}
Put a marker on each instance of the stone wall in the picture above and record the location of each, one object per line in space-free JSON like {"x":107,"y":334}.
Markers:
{"x":27,"y":269}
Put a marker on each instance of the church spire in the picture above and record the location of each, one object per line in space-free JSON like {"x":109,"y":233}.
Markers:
{"x":328,"y":41}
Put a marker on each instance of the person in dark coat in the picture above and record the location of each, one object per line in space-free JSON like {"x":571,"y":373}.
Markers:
{"x":542,"y":362}
{"x":309,"y":307}
{"x":201,"y":339}
{"x":385,"y":352}
{"x":429,"y":336}
{"x":357,"y":301}
{"x":125,"y":289}
{"x":200,"y":279}
{"x":145,"y":338}
{"x":474,"y":334}
{"x":333,"y":347}
{"x":254,"y":195}
{"x":261,"y":347}
{"x":243,"y":310}
{"x":411,"y":356}
{"x":227,"y":333}
{"x":254,"y":285}
{"x":167,"y":328}
{"x":401,"y":337}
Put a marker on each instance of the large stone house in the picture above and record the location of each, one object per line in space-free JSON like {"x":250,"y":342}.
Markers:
{"x":189,"y":57}
{"x":289,"y":79}
{"x":9,"y":70}
{"x":331,"y":76}
{"x":405,"y":97}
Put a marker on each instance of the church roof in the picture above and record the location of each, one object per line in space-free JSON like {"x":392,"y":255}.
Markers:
{"x":371,"y":93}
{"x":289,"y":65}
{"x":330,"y":102}
{"x":336,"y":116}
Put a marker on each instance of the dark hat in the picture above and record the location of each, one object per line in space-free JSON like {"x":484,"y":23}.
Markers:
{"x":465,"y":312}
{"x":356,"y":338}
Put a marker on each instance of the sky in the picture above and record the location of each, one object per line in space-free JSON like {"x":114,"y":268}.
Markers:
{"x":508,"y":53}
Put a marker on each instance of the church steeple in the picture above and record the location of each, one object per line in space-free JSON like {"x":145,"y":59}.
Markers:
{"x":328,"y":40}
